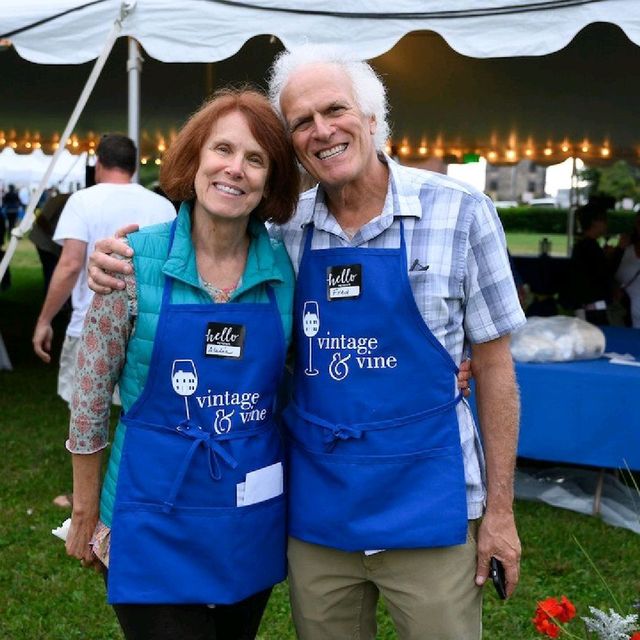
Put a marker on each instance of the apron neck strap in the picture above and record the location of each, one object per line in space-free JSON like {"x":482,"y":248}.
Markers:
{"x":271,"y":294}
{"x":309,"y":237}
{"x":403,"y":248}
{"x":311,"y":228}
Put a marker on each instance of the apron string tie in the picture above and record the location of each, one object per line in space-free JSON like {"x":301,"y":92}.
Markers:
{"x":344,"y":432}
{"x":339,"y":432}
{"x":200,"y":438}
{"x":332,"y":432}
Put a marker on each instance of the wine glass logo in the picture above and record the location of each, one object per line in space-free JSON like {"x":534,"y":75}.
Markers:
{"x":184,"y":379}
{"x":310,"y":326}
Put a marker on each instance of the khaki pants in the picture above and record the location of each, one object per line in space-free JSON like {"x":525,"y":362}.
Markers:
{"x":429,"y":593}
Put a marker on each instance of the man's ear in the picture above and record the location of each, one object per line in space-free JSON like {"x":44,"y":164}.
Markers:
{"x":373,"y":124}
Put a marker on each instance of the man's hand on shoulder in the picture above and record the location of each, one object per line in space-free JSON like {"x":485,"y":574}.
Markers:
{"x":101,"y":262}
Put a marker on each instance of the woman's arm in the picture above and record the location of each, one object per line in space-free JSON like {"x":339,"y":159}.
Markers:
{"x":101,"y":357}
{"x":86,"y":507}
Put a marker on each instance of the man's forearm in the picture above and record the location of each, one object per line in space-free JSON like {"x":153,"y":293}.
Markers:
{"x":498,"y":411}
{"x":65,"y":276}
{"x":60,"y":288}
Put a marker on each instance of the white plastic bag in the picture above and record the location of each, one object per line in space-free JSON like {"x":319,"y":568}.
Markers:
{"x":557,"y":339}
{"x":63,"y":530}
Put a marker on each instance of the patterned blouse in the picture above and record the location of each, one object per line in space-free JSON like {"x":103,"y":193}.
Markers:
{"x":101,"y":357}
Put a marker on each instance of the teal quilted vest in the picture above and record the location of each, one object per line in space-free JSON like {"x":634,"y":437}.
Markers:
{"x":267,"y":262}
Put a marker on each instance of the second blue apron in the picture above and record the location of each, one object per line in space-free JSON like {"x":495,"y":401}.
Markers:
{"x":375,"y":455}
{"x":200,"y":511}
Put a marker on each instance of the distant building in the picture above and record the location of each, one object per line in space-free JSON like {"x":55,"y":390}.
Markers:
{"x":521,"y":181}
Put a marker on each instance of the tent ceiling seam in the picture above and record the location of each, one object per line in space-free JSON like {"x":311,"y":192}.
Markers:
{"x":548,"y":5}
{"x":39,"y":23}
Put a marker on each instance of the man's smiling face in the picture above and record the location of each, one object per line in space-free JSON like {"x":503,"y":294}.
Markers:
{"x":332,"y":138}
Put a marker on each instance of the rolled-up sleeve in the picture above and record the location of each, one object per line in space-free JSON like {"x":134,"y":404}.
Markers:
{"x":492,"y":305}
{"x":101,"y":357}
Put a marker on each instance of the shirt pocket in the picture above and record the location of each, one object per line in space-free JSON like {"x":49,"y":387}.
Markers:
{"x":433,"y":299}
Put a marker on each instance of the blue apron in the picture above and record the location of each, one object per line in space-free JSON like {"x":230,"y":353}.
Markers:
{"x":200,"y":514}
{"x":375,"y":455}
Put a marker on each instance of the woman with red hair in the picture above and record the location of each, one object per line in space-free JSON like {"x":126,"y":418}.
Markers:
{"x":191,"y":512}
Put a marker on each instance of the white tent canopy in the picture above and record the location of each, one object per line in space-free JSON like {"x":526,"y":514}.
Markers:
{"x":71,"y":31}
{"x":26,"y":170}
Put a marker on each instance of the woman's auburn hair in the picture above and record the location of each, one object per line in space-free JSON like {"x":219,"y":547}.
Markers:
{"x":182,"y":159}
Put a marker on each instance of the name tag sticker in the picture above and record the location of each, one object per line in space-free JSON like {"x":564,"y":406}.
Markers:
{"x":344,"y":282}
{"x":224,"y":340}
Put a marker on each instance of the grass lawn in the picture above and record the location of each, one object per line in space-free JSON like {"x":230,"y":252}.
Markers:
{"x":45,"y":595}
{"x":528,"y":244}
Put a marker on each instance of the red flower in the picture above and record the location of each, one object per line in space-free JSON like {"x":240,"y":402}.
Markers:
{"x":568,"y":610}
{"x":549,"y":612}
{"x":545,"y":626}
{"x":635,"y":636}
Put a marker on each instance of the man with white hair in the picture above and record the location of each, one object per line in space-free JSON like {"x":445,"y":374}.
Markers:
{"x":398,"y":271}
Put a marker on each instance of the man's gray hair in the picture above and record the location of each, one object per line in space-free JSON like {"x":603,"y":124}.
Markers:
{"x":368,"y":89}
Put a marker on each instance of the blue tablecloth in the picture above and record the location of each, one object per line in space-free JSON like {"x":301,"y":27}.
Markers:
{"x":622,"y":340}
{"x":585,"y":412}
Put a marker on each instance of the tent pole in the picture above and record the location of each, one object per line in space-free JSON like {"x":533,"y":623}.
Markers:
{"x":19,"y":230}
{"x":134,"y":68}
{"x":573,"y":204}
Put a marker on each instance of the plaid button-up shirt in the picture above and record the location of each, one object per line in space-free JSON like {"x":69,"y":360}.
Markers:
{"x":458,"y":269}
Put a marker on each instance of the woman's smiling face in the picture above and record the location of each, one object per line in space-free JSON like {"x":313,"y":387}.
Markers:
{"x":232,"y":175}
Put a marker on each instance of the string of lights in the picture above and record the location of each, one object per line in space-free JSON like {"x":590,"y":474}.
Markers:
{"x":494,"y":150}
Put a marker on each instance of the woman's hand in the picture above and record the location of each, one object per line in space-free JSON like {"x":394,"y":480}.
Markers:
{"x":464,"y":377}
{"x":86,"y":508}
{"x":78,"y":539}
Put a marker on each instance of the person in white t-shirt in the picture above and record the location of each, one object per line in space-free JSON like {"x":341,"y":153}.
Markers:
{"x":89,"y":215}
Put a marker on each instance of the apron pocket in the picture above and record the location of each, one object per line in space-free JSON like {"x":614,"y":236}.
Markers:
{"x":196,"y":556}
{"x":363,"y":502}
{"x":152,"y":460}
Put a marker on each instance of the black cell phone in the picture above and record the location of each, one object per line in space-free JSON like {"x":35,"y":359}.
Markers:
{"x":497,"y":575}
